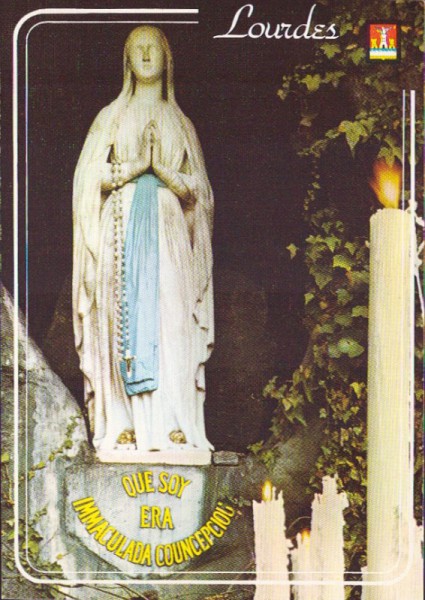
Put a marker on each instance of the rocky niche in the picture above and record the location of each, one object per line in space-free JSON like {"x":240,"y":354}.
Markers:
{"x":90,"y":522}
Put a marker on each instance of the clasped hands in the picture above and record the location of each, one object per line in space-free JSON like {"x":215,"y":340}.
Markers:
{"x":150,"y":156}
{"x":150,"y":151}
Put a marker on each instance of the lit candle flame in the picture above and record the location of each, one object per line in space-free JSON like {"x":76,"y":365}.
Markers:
{"x":386,"y":183}
{"x":267,"y":491}
{"x":305,"y":537}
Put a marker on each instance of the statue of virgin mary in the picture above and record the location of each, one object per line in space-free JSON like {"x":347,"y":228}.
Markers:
{"x":142,"y":264}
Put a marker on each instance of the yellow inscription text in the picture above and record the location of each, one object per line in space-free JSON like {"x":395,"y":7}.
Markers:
{"x":142,"y":483}
{"x":138,"y":483}
{"x":108,"y":536}
{"x":164,"y":555}
{"x":173,"y":485}
{"x":152,"y":517}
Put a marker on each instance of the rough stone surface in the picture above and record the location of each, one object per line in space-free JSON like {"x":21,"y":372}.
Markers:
{"x":107,"y":484}
{"x":44,"y":408}
{"x":76,"y":473}
{"x":294,"y":465}
{"x":226,"y":457}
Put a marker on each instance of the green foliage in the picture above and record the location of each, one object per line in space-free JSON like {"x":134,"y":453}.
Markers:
{"x":331,"y":381}
{"x":373,"y":90}
{"x":68,"y":442}
{"x":237,"y":501}
{"x":29,"y":542}
{"x":266,"y":456}
{"x":29,"y":537}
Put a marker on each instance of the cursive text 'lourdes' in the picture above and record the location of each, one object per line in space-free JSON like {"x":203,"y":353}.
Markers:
{"x":278,"y":31}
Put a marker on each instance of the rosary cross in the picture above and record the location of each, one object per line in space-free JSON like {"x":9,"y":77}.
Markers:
{"x":128,"y":358}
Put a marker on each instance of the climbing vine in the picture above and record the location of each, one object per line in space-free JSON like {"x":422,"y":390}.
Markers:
{"x":330,"y":384}
{"x":31,"y":541}
{"x":29,"y":548}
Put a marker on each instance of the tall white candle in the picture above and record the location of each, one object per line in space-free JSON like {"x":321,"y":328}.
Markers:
{"x":303,"y":568}
{"x":271,"y":546}
{"x":327,"y":539}
{"x":410,"y":584}
{"x":391,"y":383}
{"x":389,"y":388}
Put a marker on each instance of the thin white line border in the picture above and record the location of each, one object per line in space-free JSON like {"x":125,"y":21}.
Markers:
{"x":71,"y":582}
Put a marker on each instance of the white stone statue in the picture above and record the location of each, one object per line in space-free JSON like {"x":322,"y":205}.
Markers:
{"x":142,"y":266}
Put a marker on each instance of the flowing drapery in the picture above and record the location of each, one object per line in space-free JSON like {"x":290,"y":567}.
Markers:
{"x":186,"y":327}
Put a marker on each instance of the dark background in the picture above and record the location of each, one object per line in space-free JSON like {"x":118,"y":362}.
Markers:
{"x":229,"y":90}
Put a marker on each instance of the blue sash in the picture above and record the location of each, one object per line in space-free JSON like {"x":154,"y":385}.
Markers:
{"x":141,"y":263}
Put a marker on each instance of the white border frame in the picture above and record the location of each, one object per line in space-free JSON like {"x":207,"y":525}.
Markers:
{"x":128,"y":582}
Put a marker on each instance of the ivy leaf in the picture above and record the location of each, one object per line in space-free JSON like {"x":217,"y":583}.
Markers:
{"x":330,"y":49}
{"x":357,"y":55}
{"x":333,"y":77}
{"x":255,"y":448}
{"x":386,"y":153}
{"x":286,"y":403}
{"x":39,"y":466}
{"x":342,"y":261}
{"x":332,"y":242}
{"x":350,"y":247}
{"x":312,"y":82}
{"x":358,"y":277}
{"x":326,"y":451}
{"x":300,"y":419}
{"x":322,"y":277}
{"x":334,"y":351}
{"x":5,"y":457}
{"x":357,"y":388}
{"x":283,"y":92}
{"x":345,"y":27}
{"x":352,"y":134}
{"x":32,"y":546}
{"x":353,"y":130}
{"x":350,"y":347}
{"x":343,"y":296}
{"x":308,"y":297}
{"x":326,"y":328}
{"x":292,"y":250}
{"x":360,"y":311}
{"x":394,"y":149}
{"x":344,"y":320}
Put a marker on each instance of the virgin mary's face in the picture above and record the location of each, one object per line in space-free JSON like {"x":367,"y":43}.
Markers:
{"x":146,"y":55}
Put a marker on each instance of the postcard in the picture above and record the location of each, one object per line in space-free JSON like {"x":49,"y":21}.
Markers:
{"x":212,"y":301}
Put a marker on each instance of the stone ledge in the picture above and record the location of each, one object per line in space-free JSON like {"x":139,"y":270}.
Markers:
{"x":226,"y":458}
{"x":160,"y":457}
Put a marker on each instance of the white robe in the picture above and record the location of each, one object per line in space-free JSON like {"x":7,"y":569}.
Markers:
{"x":185,"y":337}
